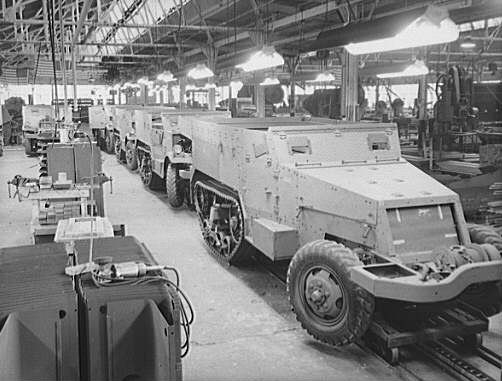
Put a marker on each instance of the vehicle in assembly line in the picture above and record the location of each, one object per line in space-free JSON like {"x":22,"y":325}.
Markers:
{"x":151,"y":148}
{"x":366,"y":232}
{"x":130,"y":123}
{"x":101,"y":125}
{"x":38,"y":126}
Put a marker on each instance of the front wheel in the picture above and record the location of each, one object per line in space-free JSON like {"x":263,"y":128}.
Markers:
{"x":109,"y":141}
{"x":28,"y":147}
{"x":131,"y":156}
{"x":327,"y":303}
{"x":118,"y":149}
{"x":174,"y":187}
{"x":149,"y":178}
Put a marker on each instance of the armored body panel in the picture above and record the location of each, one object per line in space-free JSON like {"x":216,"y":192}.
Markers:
{"x":356,"y":171}
{"x":99,"y":117}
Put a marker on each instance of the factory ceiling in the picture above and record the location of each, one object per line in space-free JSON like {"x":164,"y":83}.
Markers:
{"x":118,"y":40}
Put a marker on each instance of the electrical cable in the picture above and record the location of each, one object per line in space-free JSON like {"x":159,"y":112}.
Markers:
{"x":50,"y":17}
{"x":187,"y":314}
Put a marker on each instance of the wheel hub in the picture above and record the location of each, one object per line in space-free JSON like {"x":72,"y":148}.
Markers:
{"x":323,"y":294}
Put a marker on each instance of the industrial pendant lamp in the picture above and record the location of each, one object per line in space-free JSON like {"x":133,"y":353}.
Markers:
{"x":265,"y":58}
{"x":210,"y":85}
{"x":433,"y":27}
{"x":415,"y":69}
{"x":270,"y":81}
{"x":323,"y":77}
{"x":200,"y":71}
{"x":143,"y":81}
{"x":468,"y":43}
{"x":166,"y":76}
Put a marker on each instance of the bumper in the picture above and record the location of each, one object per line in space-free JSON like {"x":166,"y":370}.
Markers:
{"x":408,"y":286}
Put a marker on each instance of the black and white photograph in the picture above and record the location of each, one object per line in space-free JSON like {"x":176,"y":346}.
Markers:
{"x":251,"y":190}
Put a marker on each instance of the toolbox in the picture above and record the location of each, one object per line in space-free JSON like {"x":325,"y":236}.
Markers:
{"x":54,"y":327}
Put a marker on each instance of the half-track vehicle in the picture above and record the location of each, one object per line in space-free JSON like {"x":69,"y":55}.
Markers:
{"x":365,"y":232}
{"x":159,"y":146}
{"x":130,"y":124}
{"x":39,"y":126}
{"x":101,"y":125}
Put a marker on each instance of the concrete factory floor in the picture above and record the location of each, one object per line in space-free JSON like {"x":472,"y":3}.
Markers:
{"x":244,"y":328}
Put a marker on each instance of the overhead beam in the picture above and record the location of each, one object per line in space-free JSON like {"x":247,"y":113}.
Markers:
{"x":99,"y":24}
{"x":134,"y":44}
{"x":14,"y":54}
{"x":81,"y":20}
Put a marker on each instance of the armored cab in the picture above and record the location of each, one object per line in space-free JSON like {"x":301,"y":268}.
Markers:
{"x":160,"y":149}
{"x":39,"y":125}
{"x":101,"y":125}
{"x":364,"y":230}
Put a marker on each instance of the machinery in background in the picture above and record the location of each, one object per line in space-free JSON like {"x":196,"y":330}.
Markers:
{"x":463,"y":149}
{"x":12,"y":120}
{"x":453,"y":147}
{"x":324,"y":103}
{"x":368,"y":243}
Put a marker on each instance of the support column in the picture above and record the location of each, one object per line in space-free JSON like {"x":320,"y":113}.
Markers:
{"x":292,"y":62}
{"x":259,"y":92}
{"x":212,"y":55}
{"x":74,"y":72}
{"x":212,"y":99}
{"x":183,"y":83}
{"x":229,"y":105}
{"x":349,"y":105}
{"x":170,"y":95}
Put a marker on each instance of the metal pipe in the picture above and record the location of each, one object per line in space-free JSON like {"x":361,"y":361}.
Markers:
{"x":74,"y":64}
{"x":63,"y":57}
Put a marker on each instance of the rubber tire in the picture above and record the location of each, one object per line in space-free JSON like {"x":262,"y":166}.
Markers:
{"x":361,"y":304}
{"x":174,"y":187}
{"x":27,"y":147}
{"x":132,"y":158}
{"x":109,"y":142}
{"x":118,"y":150}
{"x":480,"y":235}
{"x":155,"y":181}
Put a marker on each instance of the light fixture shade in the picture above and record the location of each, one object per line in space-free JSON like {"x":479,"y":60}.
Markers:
{"x":433,"y":27}
{"x":266,"y":57}
{"x":143,"y":81}
{"x":236,"y":86}
{"x":166,"y":76}
{"x":200,"y":71}
{"x":210,"y":85}
{"x":270,"y":81}
{"x":468,"y":43}
{"x":323,"y":77}
{"x":415,"y":69}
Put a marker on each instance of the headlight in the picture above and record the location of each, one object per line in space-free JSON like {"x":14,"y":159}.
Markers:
{"x":177,"y":149}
